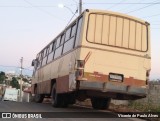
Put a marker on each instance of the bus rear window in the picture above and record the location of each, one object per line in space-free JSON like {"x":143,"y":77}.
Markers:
{"x":117,"y":31}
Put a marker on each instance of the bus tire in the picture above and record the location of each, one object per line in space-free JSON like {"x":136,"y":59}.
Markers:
{"x":38,"y":98}
{"x":55,"y":98}
{"x":64,"y":100}
{"x":58,"y":100}
{"x":100,"y":103}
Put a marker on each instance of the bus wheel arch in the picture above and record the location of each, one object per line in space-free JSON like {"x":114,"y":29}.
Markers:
{"x":38,"y":98}
{"x":58,"y":100}
{"x":55,"y":98}
{"x":35,"y":88}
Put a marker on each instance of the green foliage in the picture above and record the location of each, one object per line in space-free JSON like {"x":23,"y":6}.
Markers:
{"x":25,"y":80}
{"x":18,"y":78}
{"x":2,"y":77}
{"x":14,"y":83}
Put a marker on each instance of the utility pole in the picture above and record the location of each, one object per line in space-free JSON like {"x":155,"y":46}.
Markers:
{"x":21,"y":60}
{"x":80,"y":7}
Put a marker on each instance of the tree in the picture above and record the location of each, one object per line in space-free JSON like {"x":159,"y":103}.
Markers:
{"x":14,"y":83}
{"x":2,"y":77}
{"x":25,"y":80}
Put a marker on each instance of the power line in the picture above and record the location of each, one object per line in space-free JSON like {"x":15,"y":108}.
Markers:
{"x":75,"y":2}
{"x":155,"y":28}
{"x":151,"y":16}
{"x":44,"y":11}
{"x":71,"y":18}
{"x":131,"y":5}
{"x":156,"y":24}
{"x":51,"y":6}
{"x":155,"y":21}
{"x":116,"y":4}
{"x":125,"y":3}
{"x":143,"y":7}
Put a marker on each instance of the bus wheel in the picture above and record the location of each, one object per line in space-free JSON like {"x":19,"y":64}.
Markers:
{"x":54,"y":97}
{"x":38,"y":98}
{"x":100,"y":103}
{"x":58,"y":100}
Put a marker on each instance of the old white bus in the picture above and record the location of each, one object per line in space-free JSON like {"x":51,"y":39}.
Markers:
{"x":100,"y":55}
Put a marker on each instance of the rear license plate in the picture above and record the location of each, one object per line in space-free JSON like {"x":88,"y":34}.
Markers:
{"x":115,"y":77}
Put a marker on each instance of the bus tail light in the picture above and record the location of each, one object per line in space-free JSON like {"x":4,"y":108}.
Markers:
{"x":80,"y":73}
{"x":80,"y":63}
{"x":147,"y":73}
{"x":147,"y":76}
{"x":80,"y":68}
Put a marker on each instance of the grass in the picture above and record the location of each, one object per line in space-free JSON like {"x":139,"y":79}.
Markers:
{"x":144,"y":107}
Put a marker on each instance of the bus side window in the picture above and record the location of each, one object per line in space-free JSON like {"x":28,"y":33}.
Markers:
{"x":45,"y":55}
{"x":73,"y":32}
{"x":51,"y":52}
{"x":59,"y":48}
{"x":68,"y":34}
{"x":58,"y":52}
{"x":41,"y":58}
{"x":68,"y":45}
{"x":58,"y":42}
{"x":62,"y":39}
{"x":47,"y":52}
{"x":35,"y":62}
{"x":50,"y":48}
{"x":78,"y":32}
{"x":42,"y":53}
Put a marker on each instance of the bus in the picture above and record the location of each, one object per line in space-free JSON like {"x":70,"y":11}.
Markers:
{"x":101,"y":55}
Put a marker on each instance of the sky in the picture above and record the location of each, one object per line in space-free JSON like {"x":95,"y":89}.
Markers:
{"x":26,"y":26}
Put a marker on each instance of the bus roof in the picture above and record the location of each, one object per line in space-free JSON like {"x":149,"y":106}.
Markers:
{"x":98,"y":11}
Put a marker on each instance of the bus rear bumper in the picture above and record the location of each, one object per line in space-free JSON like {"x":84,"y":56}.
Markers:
{"x":113,"y":88}
{"x":125,"y":89}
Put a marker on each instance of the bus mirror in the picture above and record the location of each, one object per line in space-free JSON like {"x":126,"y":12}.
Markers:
{"x":33,"y":62}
